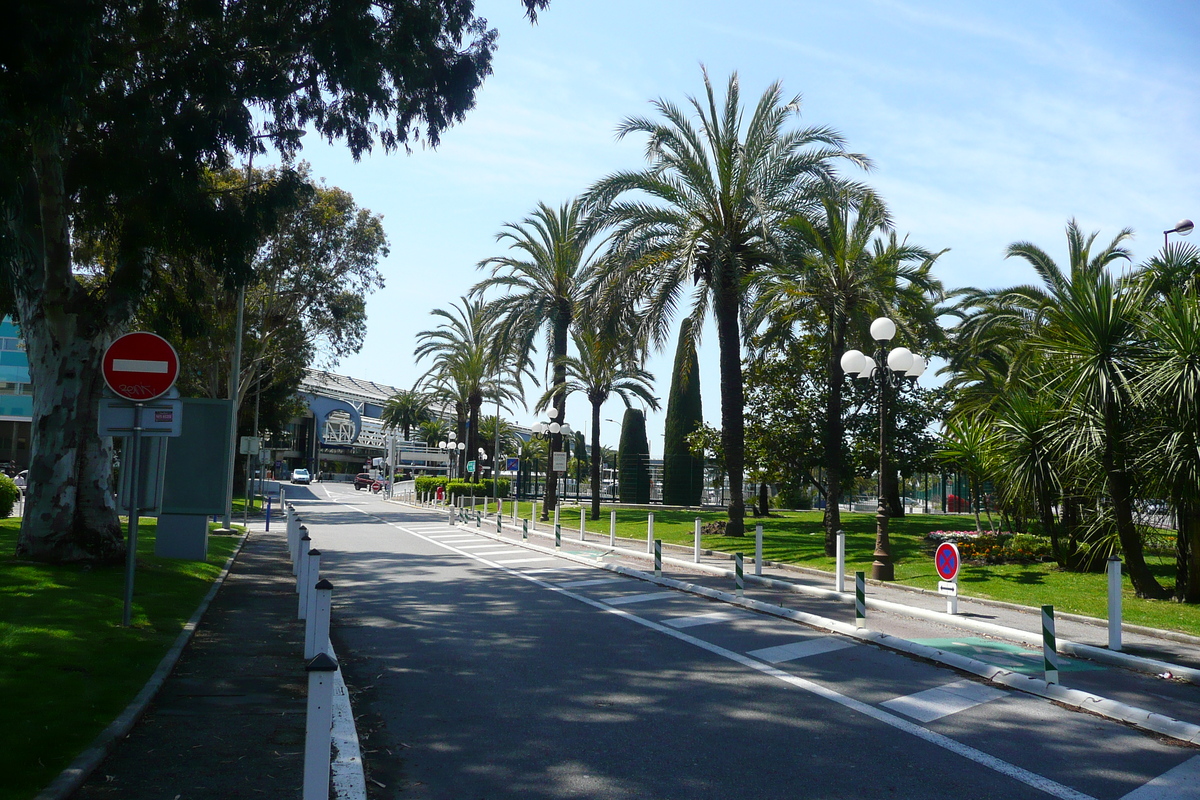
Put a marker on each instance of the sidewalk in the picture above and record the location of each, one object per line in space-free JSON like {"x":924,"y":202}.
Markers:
{"x":229,"y":721}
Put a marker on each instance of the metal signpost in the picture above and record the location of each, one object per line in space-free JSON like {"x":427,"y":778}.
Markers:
{"x":947,"y":562}
{"x":138,"y":367}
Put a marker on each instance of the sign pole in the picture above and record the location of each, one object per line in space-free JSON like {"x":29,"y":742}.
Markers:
{"x":135,"y":500}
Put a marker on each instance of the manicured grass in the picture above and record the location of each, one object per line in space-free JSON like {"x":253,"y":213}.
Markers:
{"x":797,"y":537}
{"x":67,"y":667}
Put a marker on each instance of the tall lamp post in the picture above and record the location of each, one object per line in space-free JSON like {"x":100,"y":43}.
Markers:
{"x":902,"y":368}
{"x":554,"y":431}
{"x":1183,"y":229}
{"x":453,"y":448}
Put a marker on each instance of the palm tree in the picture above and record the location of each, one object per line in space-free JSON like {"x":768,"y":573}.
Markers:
{"x":432,"y":431}
{"x":467,"y":367}
{"x":403,"y":410}
{"x":966,"y":443}
{"x":717,"y":190}
{"x":605,"y":366}
{"x":841,"y":272}
{"x":510,"y":440}
{"x":556,"y":259}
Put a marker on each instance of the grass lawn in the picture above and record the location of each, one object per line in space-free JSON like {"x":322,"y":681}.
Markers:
{"x":67,"y":667}
{"x":796,"y":537}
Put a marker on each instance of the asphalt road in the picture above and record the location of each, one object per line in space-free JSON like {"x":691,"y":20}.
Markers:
{"x":483,"y":670}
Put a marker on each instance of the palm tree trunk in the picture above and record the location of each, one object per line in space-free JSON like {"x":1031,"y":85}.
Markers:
{"x":1188,"y":516}
{"x":733,"y":399}
{"x":596,"y":460}
{"x":1119,"y":488}
{"x":834,"y":433}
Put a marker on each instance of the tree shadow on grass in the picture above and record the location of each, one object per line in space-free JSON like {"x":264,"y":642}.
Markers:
{"x":1026,"y":577}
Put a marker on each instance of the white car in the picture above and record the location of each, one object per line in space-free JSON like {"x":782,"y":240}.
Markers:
{"x":301,"y":476}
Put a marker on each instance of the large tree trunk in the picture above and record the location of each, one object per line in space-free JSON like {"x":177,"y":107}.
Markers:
{"x":733,"y":399}
{"x":834,"y":433}
{"x":1188,"y":566}
{"x":1120,"y":490}
{"x":70,"y":513}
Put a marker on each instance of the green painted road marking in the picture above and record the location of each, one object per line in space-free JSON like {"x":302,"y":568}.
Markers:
{"x":1002,"y":654}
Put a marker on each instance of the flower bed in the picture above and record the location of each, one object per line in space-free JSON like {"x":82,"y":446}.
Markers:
{"x":996,"y":548}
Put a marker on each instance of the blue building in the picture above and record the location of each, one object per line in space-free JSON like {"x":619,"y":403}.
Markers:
{"x":16,"y":399}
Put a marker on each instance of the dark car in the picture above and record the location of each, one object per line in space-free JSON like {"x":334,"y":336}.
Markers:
{"x":362,"y":481}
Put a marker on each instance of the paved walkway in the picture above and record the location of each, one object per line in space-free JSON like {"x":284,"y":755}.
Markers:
{"x":229,"y":721}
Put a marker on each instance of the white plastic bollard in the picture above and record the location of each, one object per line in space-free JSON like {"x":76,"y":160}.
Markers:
{"x":316,"y":627}
{"x":612,"y":529}
{"x":1114,"y":603}
{"x":301,"y":549}
{"x":839,"y":582}
{"x":309,"y":572}
{"x":581,"y":529}
{"x":696,"y":558}
{"x":533,"y":516}
{"x":650,"y":533}
{"x":318,"y":726}
{"x":758,"y":550}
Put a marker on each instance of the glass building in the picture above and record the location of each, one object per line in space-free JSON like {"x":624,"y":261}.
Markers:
{"x":16,"y":399}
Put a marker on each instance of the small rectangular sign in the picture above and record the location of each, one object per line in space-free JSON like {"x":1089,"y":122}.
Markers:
{"x":512,"y":464}
{"x":560,"y":462}
{"x":948,"y":588}
{"x":470,"y":466}
{"x":162,"y":417}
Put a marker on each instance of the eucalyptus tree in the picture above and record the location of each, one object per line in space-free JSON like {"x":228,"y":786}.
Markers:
{"x":842,"y":266}
{"x":467,"y":366}
{"x":704,"y":213}
{"x":606,"y":365}
{"x":403,"y":410}
{"x":548,"y":275}
{"x":114,"y":116}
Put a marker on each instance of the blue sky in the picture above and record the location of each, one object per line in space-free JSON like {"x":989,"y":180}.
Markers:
{"x":988,"y":123}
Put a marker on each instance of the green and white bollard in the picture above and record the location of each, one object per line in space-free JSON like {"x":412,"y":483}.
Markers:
{"x":860,"y":599}
{"x":524,"y":529}
{"x":499,"y":525}
{"x":1049,"y":645}
{"x":658,"y":558}
{"x":739,"y":577}
{"x":557,"y":535}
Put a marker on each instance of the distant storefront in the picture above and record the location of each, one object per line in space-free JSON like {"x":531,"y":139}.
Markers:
{"x":16,"y":399}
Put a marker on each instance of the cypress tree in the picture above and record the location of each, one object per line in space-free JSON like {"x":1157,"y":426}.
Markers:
{"x":633,"y":459}
{"x":683,"y":472}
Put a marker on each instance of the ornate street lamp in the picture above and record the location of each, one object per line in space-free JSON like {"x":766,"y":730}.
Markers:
{"x":903,"y":367}
{"x":1183,"y":228}
{"x":553,"y":431}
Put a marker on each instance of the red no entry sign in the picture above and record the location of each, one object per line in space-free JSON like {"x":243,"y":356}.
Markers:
{"x":140,"y":366}
{"x":946,"y":560}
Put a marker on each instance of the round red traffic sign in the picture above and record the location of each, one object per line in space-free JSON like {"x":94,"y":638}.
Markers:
{"x":140,"y":366}
{"x":946,"y":560}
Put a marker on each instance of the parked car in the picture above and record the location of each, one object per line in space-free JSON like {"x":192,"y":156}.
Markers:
{"x":301,"y":476}
{"x":363,"y":480}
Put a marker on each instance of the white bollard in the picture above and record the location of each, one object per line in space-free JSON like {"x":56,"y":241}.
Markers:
{"x":533,"y":516}
{"x":485,"y":506}
{"x":612,"y":529}
{"x":316,"y":627}
{"x":514,"y":511}
{"x":839,"y":581}
{"x":318,"y":727}
{"x":308,"y":574}
{"x":556,"y":510}
{"x":696,"y":557}
{"x":650,"y":533}
{"x":301,"y":549}
{"x":758,"y":550}
{"x":1114,"y":603}
{"x":581,"y":529}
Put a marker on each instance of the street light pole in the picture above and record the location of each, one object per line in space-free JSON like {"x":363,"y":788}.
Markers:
{"x":889,"y":370}
{"x":1183,"y":228}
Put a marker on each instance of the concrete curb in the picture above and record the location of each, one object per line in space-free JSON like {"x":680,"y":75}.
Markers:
{"x":78,"y":771}
{"x":346,"y":770}
{"x":1074,"y":698}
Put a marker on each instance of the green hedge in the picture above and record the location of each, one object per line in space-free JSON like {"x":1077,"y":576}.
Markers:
{"x":481,"y":489}
{"x":8,"y":495}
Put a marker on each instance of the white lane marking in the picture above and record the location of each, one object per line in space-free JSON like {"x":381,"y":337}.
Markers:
{"x":648,"y":597}
{"x":136,"y":365}
{"x":943,"y":701}
{"x":483,"y":546}
{"x":1179,"y":783}
{"x":507,"y":552}
{"x":1040,"y":782}
{"x":803,"y":649}
{"x":519,"y":560}
{"x":568,"y":567}
{"x":592,"y":582}
{"x":703,"y":619}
